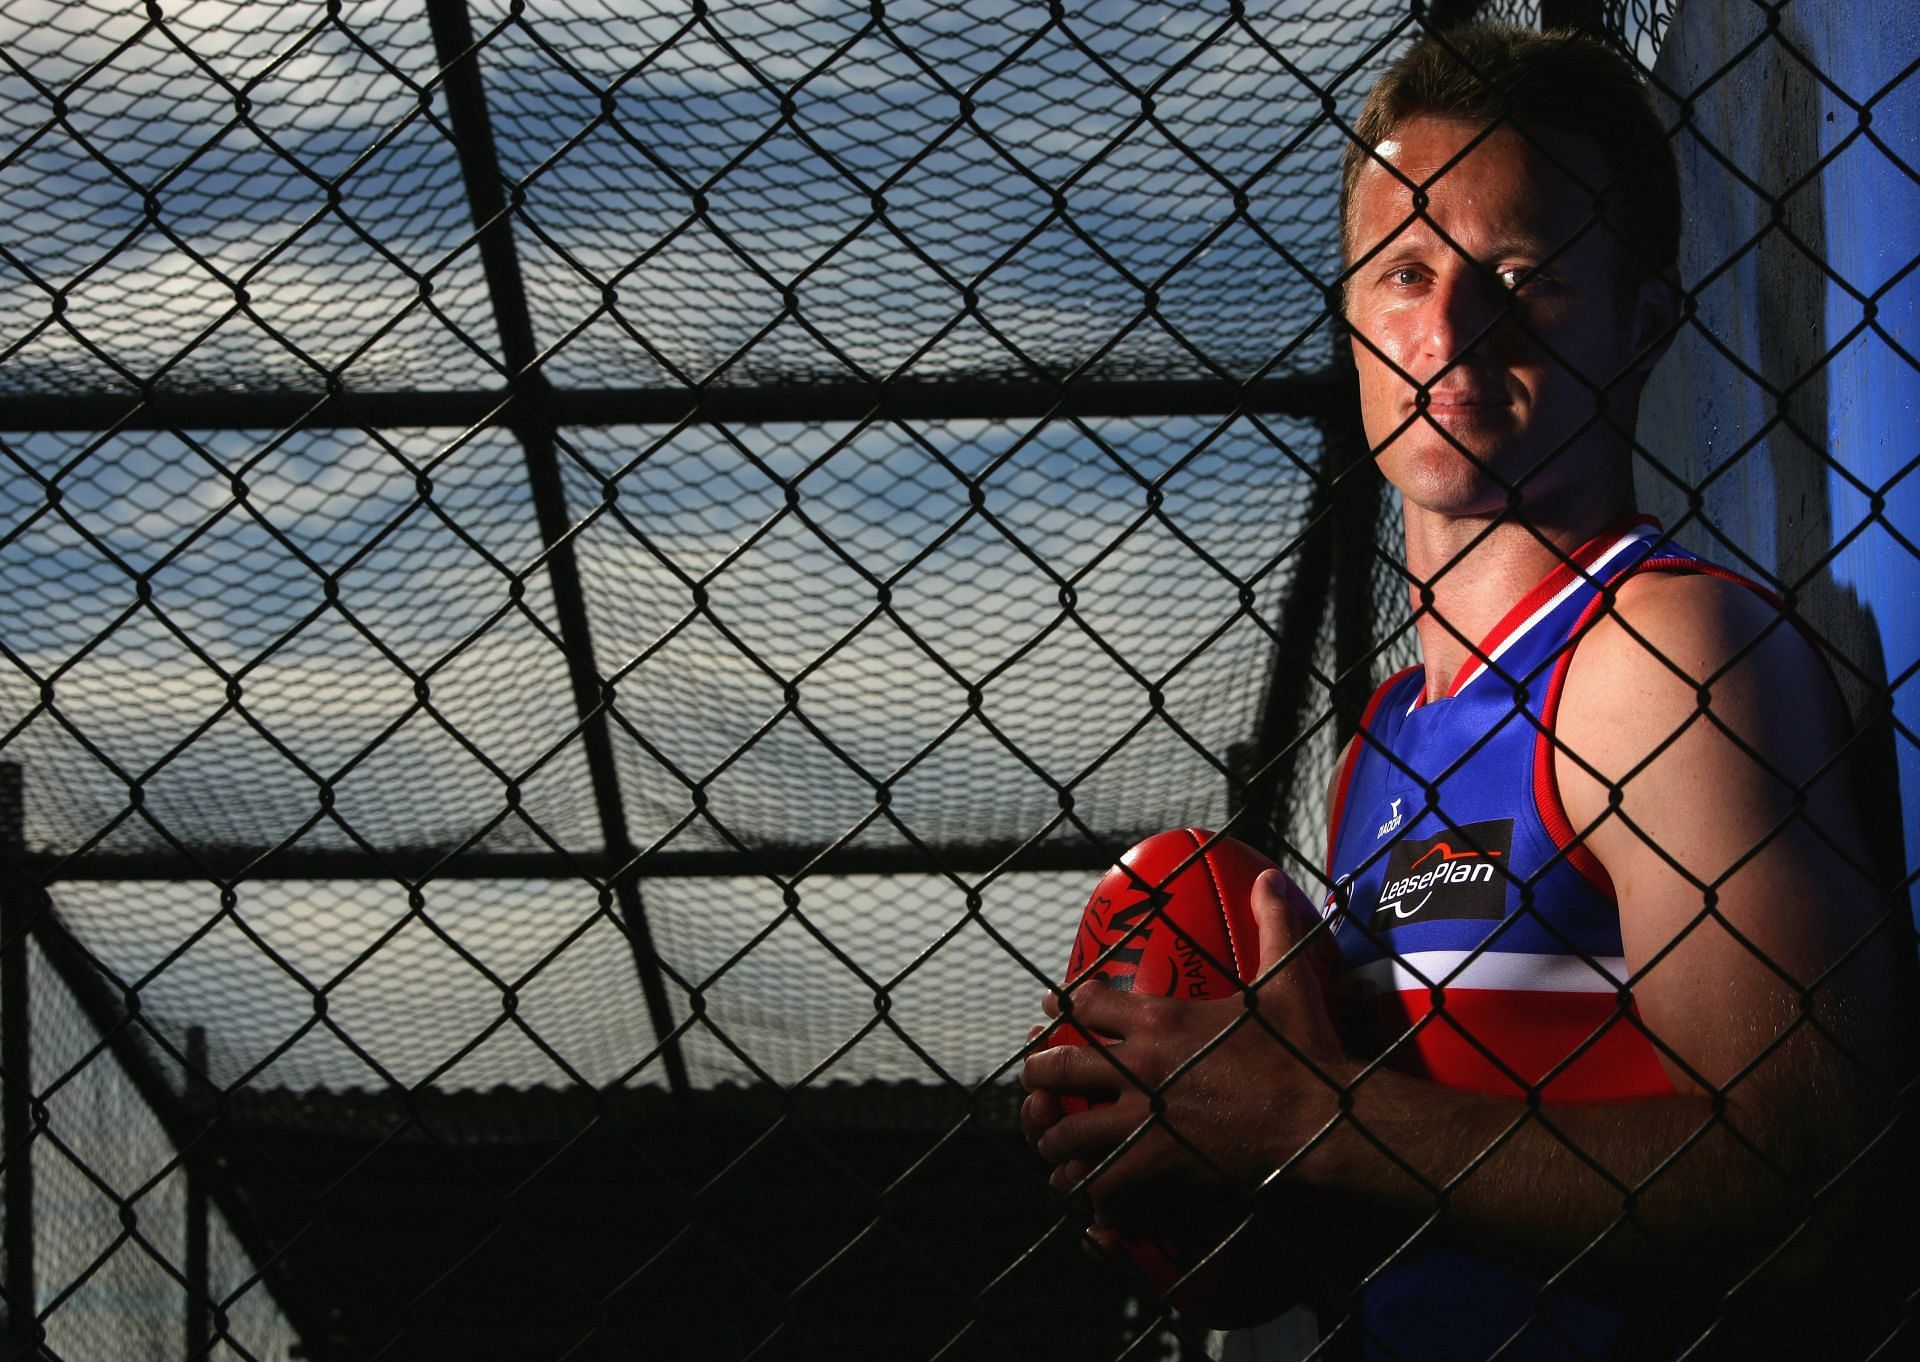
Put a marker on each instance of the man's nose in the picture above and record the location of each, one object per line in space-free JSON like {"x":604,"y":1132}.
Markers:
{"x":1462,"y":314}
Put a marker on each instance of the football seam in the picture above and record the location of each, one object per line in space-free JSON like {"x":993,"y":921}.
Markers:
{"x":1220,"y":904}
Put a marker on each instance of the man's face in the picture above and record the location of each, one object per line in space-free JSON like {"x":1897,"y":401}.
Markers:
{"x":1497,"y":308}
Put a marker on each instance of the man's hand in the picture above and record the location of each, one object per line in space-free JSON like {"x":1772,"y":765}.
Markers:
{"x":1206,"y":1092}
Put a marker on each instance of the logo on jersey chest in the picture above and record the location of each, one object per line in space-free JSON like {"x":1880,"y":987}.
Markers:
{"x":1458,"y":873}
{"x":1392,"y":822}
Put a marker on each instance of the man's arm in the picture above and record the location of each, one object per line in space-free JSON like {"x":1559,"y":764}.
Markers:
{"x":1703,"y":756}
{"x":1750,"y":933}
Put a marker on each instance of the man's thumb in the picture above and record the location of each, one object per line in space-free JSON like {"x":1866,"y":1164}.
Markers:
{"x":1282,"y":917}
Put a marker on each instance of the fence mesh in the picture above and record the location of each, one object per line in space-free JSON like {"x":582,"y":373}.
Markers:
{"x":594,"y":583}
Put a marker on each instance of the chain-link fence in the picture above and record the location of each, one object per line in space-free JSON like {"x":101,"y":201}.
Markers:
{"x":593,"y":584}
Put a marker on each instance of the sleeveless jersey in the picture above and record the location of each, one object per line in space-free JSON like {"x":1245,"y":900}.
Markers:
{"x":1483,"y":937}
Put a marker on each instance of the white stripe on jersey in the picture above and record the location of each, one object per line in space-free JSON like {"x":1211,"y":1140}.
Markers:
{"x":1510,"y":970}
{"x":1580,"y":579}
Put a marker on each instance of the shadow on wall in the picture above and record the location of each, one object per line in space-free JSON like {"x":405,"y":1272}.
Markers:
{"x":1771,"y":413}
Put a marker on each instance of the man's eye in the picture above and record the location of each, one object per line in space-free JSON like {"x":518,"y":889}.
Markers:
{"x":1405,"y":276}
{"x":1518,"y":278}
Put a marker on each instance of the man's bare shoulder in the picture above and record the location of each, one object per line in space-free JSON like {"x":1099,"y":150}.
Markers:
{"x":1685,"y":648}
{"x":1700,"y":734}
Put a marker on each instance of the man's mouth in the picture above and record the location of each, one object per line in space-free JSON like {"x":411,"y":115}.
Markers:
{"x":1463,"y":406}
{"x":1467,"y":397}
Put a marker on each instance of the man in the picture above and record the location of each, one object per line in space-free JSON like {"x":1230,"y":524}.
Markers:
{"x":1628,"y":1024}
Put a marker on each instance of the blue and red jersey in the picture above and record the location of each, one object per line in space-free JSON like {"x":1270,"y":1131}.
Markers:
{"x":1484,"y":938}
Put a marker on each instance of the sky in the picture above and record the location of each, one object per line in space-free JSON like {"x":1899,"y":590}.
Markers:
{"x":352,"y":633}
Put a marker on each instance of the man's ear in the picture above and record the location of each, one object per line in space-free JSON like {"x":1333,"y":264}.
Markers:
{"x":1655,"y":320}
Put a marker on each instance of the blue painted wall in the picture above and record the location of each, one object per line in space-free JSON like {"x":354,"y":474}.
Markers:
{"x":1818,"y":301}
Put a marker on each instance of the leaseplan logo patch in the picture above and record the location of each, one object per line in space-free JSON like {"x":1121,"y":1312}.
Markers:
{"x":1459,"y":873}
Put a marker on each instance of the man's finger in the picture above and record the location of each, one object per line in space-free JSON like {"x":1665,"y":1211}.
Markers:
{"x":1070,"y":1178}
{"x":1040,"y":1111}
{"x":1103,"y":1244}
{"x":1276,"y":920}
{"x":1094,"y":1005}
{"x":1075,"y":1068}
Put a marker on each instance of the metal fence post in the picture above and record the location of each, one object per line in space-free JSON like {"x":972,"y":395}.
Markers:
{"x":1356,"y":524}
{"x":16,"y":1054}
{"x":199,"y":1336}
{"x":531,"y":422}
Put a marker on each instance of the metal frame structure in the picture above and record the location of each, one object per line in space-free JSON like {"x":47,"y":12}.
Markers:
{"x":1331,"y":591}
{"x":532,"y":409}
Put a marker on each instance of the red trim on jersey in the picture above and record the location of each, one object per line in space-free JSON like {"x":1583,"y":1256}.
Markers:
{"x":1546,"y":782}
{"x":1558,"y":578}
{"x":1765,"y":593}
{"x":1572,"y":1047}
{"x":1352,"y":762}
{"x":1704,"y":569}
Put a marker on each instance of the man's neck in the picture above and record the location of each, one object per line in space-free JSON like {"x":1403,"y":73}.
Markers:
{"x":1475,"y":569}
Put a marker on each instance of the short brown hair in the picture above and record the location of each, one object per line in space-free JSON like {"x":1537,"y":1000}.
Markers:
{"x":1559,"y":81}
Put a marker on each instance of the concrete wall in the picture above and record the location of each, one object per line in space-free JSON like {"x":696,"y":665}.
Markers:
{"x":1817,"y":489}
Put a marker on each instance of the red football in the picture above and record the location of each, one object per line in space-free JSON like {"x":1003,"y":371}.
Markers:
{"x":1175,"y":919}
